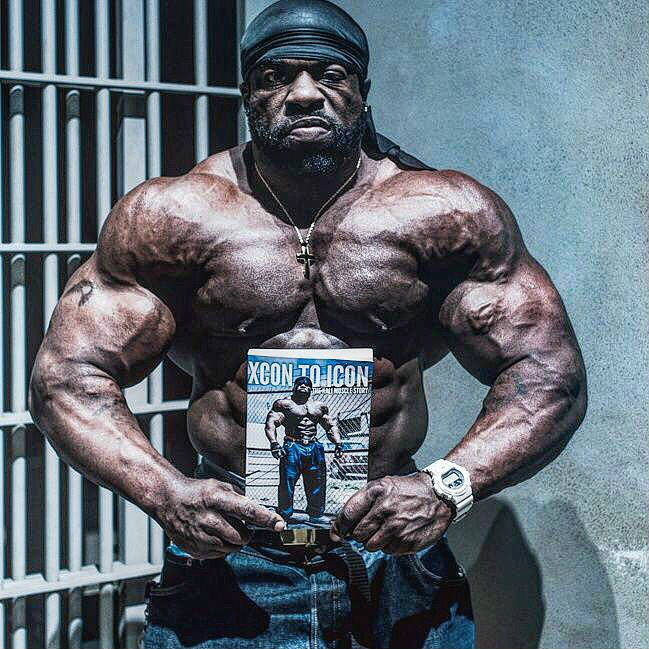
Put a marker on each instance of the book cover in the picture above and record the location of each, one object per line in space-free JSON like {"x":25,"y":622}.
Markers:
{"x":307,"y":430}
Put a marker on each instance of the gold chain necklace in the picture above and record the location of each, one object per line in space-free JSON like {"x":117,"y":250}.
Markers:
{"x":304,"y":256}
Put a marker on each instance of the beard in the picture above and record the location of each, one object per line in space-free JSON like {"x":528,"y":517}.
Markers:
{"x":306,"y":158}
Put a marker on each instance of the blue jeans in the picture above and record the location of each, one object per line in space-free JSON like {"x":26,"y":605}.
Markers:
{"x":308,"y":461}
{"x":255,"y":599}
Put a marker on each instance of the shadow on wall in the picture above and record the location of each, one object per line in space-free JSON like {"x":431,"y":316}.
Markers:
{"x":510,"y":598}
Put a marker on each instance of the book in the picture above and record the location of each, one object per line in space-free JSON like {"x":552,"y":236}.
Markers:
{"x":307,"y":430}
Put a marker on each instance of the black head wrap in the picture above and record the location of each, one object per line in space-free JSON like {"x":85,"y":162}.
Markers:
{"x":305,"y":29}
{"x":302,"y":380}
{"x":318,"y":29}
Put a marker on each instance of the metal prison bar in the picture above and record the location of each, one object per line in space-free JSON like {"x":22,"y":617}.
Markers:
{"x":138,"y":151}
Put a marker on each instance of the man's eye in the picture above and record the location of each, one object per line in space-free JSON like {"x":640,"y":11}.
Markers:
{"x":273,"y":76}
{"x":332,"y":75}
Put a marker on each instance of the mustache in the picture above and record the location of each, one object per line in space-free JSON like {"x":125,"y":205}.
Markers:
{"x":286,"y":125}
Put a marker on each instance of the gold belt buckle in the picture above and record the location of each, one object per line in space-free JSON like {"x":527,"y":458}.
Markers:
{"x":300,"y":536}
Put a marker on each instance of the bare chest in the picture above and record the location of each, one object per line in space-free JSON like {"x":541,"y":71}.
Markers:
{"x":363,"y":276}
{"x":299,"y":413}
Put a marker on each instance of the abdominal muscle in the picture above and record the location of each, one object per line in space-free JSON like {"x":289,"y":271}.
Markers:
{"x":217,"y":414}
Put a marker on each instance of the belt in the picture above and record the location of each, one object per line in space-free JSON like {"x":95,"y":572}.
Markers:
{"x":300,"y":440}
{"x":301,"y":537}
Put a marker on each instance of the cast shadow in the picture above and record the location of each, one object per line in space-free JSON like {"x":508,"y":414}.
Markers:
{"x":209,"y":610}
{"x":509,"y":585}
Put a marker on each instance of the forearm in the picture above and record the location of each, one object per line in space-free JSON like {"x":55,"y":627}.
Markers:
{"x":334,"y":435}
{"x":83,"y":413}
{"x":527,"y":418}
{"x":271,"y":432}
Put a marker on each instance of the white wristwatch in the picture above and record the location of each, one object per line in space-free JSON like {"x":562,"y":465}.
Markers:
{"x":452,"y":484}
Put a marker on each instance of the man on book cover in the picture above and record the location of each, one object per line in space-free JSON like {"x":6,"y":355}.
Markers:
{"x":301,"y":454}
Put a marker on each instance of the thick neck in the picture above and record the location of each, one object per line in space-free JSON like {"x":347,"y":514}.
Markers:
{"x":304,"y":196}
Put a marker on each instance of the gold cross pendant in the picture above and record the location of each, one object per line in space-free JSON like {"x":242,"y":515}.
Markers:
{"x":305,"y":257}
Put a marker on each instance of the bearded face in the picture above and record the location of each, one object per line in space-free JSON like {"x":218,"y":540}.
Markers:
{"x":307,"y":115}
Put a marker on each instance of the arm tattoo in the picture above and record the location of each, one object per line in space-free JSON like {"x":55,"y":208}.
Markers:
{"x":85,"y":288}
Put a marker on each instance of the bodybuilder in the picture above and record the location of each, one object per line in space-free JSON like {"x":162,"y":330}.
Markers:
{"x":413,"y":263}
{"x":301,"y":454}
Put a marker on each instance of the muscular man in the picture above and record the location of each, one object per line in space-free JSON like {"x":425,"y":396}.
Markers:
{"x":411,"y":262}
{"x":302,"y":454}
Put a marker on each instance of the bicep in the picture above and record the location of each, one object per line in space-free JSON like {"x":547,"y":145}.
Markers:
{"x":275,"y":415}
{"x":491,"y":325}
{"x":120,"y":328}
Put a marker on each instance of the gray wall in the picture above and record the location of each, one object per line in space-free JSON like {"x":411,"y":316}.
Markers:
{"x":545,"y":102}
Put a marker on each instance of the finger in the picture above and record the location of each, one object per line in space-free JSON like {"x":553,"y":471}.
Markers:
{"x":206,"y":546}
{"x":244,"y":532}
{"x":223,"y":550}
{"x":211,"y":543}
{"x":334,"y":532}
{"x":249,"y":511}
{"x":354,"y":510}
{"x":379,"y":540}
{"x":368,"y":525}
{"x":229,"y":531}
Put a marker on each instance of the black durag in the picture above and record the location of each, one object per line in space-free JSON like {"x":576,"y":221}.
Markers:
{"x":318,"y":29}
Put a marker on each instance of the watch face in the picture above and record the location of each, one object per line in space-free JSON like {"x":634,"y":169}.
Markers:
{"x":453,"y":479}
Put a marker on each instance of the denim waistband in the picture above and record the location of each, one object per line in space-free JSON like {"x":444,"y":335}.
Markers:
{"x":439,"y":557}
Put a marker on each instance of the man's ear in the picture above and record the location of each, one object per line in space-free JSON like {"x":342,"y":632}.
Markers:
{"x":365,"y":88}
{"x":244,"y":89}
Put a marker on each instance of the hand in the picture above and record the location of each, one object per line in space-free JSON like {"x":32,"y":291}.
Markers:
{"x":338,"y":451}
{"x":205,"y":518}
{"x":399,"y":515}
{"x":277,"y":451}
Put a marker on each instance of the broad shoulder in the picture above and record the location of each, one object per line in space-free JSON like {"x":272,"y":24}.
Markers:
{"x":281,"y":405}
{"x":454,"y":215}
{"x":441,"y":191}
{"x":165,"y":222}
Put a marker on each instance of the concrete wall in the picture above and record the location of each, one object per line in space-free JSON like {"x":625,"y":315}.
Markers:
{"x":545,"y":102}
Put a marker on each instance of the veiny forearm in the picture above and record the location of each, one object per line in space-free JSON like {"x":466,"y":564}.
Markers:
{"x":334,"y":435}
{"x":271,"y":432}
{"x":527,"y":418}
{"x":83,"y":413}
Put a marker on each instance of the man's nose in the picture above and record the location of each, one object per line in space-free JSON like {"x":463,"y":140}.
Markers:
{"x":304,"y":92}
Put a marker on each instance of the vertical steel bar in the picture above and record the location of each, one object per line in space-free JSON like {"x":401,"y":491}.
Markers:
{"x":72,"y":125}
{"x":242,"y":123}
{"x":15,"y":34}
{"x":106,"y":528}
{"x":154,"y":169}
{"x":131,"y":171}
{"x":201,"y":115}
{"x":102,"y":53}
{"x":130,"y":57}
{"x":17,"y":322}
{"x":2,"y":369}
{"x":73,"y":166}
{"x":2,"y":341}
{"x":50,"y":297}
{"x":73,"y":233}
